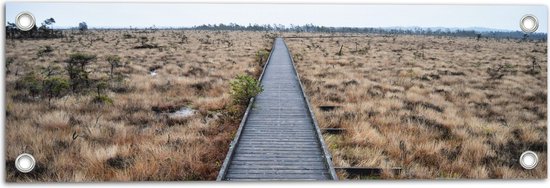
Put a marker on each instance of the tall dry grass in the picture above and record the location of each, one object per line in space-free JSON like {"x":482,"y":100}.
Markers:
{"x":439,"y":107}
{"x":133,"y":139}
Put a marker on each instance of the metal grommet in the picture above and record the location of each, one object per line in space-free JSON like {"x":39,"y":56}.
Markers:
{"x":25,"y":162}
{"x":25,"y":21}
{"x":528,"y":160}
{"x":529,"y":23}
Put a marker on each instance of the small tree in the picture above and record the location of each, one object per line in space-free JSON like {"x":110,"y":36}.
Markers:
{"x":101,"y":86}
{"x":55,"y":87}
{"x":114,"y":61}
{"x":76,"y":68}
{"x":244,"y":87}
{"x":100,"y":98}
{"x":82,"y":26}
{"x":11,"y":30}
{"x":44,"y":28}
{"x":48,"y":22}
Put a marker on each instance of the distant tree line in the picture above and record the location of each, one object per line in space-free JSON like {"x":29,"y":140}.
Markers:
{"x":44,"y":31}
{"x":310,"y":28}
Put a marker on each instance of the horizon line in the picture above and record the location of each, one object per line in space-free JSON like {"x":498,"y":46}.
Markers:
{"x":400,"y":28}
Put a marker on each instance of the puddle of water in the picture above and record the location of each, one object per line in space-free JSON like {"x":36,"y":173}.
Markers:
{"x":183,"y":112}
{"x":327,"y":108}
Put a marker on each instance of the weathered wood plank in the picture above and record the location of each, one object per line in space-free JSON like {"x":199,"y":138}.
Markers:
{"x":278,"y":176}
{"x":277,"y":171}
{"x":307,"y":164}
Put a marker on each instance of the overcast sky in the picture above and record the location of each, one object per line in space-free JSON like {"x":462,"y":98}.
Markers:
{"x":177,"y":15}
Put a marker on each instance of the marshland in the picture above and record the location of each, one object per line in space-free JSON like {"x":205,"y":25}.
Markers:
{"x":434,"y":106}
{"x":160,"y":105}
{"x":118,"y":105}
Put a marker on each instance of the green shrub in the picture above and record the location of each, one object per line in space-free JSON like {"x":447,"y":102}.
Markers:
{"x":31,"y":82}
{"x":244,"y":87}
{"x":55,"y":87}
{"x":233,"y":113}
{"x":262,"y":56}
{"x":80,"y":59}
{"x":36,"y":85}
{"x":44,"y":50}
{"x":102,"y":99}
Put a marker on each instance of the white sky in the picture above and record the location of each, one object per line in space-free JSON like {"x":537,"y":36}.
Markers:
{"x":180,"y":14}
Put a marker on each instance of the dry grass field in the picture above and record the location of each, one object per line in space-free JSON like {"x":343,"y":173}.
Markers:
{"x":126,"y":125}
{"x":438,"y":107}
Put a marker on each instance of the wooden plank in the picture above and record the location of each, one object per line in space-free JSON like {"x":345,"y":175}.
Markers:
{"x":273,"y":166}
{"x":281,"y":137}
{"x":306,"y":164}
{"x":278,"y":171}
{"x":279,"y":155}
{"x":291,"y":135}
{"x":276,"y":147}
{"x":289,"y":144}
{"x":301,"y":121}
{"x":282,"y":159}
{"x":244,"y":149}
{"x":280,"y":140}
{"x":279,"y":176}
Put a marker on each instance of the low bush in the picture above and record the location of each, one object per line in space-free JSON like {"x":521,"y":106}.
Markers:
{"x":31,"y":82}
{"x":262,"y":56}
{"x":244,"y":87}
{"x":44,"y":50}
{"x":102,"y":99}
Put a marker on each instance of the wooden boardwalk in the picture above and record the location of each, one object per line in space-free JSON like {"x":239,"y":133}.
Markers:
{"x":278,"y":138}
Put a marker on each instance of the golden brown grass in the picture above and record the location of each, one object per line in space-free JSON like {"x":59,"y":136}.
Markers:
{"x":128,"y":140}
{"x":439,"y":107}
